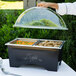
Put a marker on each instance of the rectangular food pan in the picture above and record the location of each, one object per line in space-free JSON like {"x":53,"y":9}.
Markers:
{"x":36,"y":41}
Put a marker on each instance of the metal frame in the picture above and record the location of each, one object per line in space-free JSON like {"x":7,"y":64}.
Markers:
{"x":35,"y":46}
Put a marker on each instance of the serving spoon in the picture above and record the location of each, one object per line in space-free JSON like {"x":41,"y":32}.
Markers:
{"x":5,"y":72}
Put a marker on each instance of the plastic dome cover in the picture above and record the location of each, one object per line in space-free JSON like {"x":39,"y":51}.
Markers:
{"x":39,"y":17}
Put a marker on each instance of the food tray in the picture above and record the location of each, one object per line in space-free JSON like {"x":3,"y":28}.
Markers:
{"x":34,"y":46}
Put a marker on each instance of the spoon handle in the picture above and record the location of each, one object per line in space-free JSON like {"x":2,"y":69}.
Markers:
{"x":8,"y":73}
{"x":3,"y":70}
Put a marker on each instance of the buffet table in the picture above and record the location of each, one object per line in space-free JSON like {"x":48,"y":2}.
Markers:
{"x":33,"y":70}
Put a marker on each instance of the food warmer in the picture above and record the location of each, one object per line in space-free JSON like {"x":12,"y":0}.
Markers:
{"x":43,"y":52}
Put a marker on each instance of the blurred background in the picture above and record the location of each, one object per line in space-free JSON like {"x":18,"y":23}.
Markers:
{"x":9,"y":12}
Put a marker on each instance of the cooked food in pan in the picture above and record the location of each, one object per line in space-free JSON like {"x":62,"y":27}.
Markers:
{"x":24,"y":42}
{"x":50,"y":43}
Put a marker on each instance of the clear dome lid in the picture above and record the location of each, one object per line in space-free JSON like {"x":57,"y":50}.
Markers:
{"x":39,"y":17}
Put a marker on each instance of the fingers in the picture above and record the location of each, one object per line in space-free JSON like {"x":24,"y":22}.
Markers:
{"x":43,"y":4}
{"x":40,"y":5}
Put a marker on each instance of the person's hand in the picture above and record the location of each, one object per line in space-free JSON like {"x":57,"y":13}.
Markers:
{"x":43,"y":4}
{"x":48,"y":4}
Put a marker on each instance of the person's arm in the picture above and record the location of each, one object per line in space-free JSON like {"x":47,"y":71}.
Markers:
{"x":61,"y":8}
{"x":66,"y":8}
{"x":48,"y":4}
